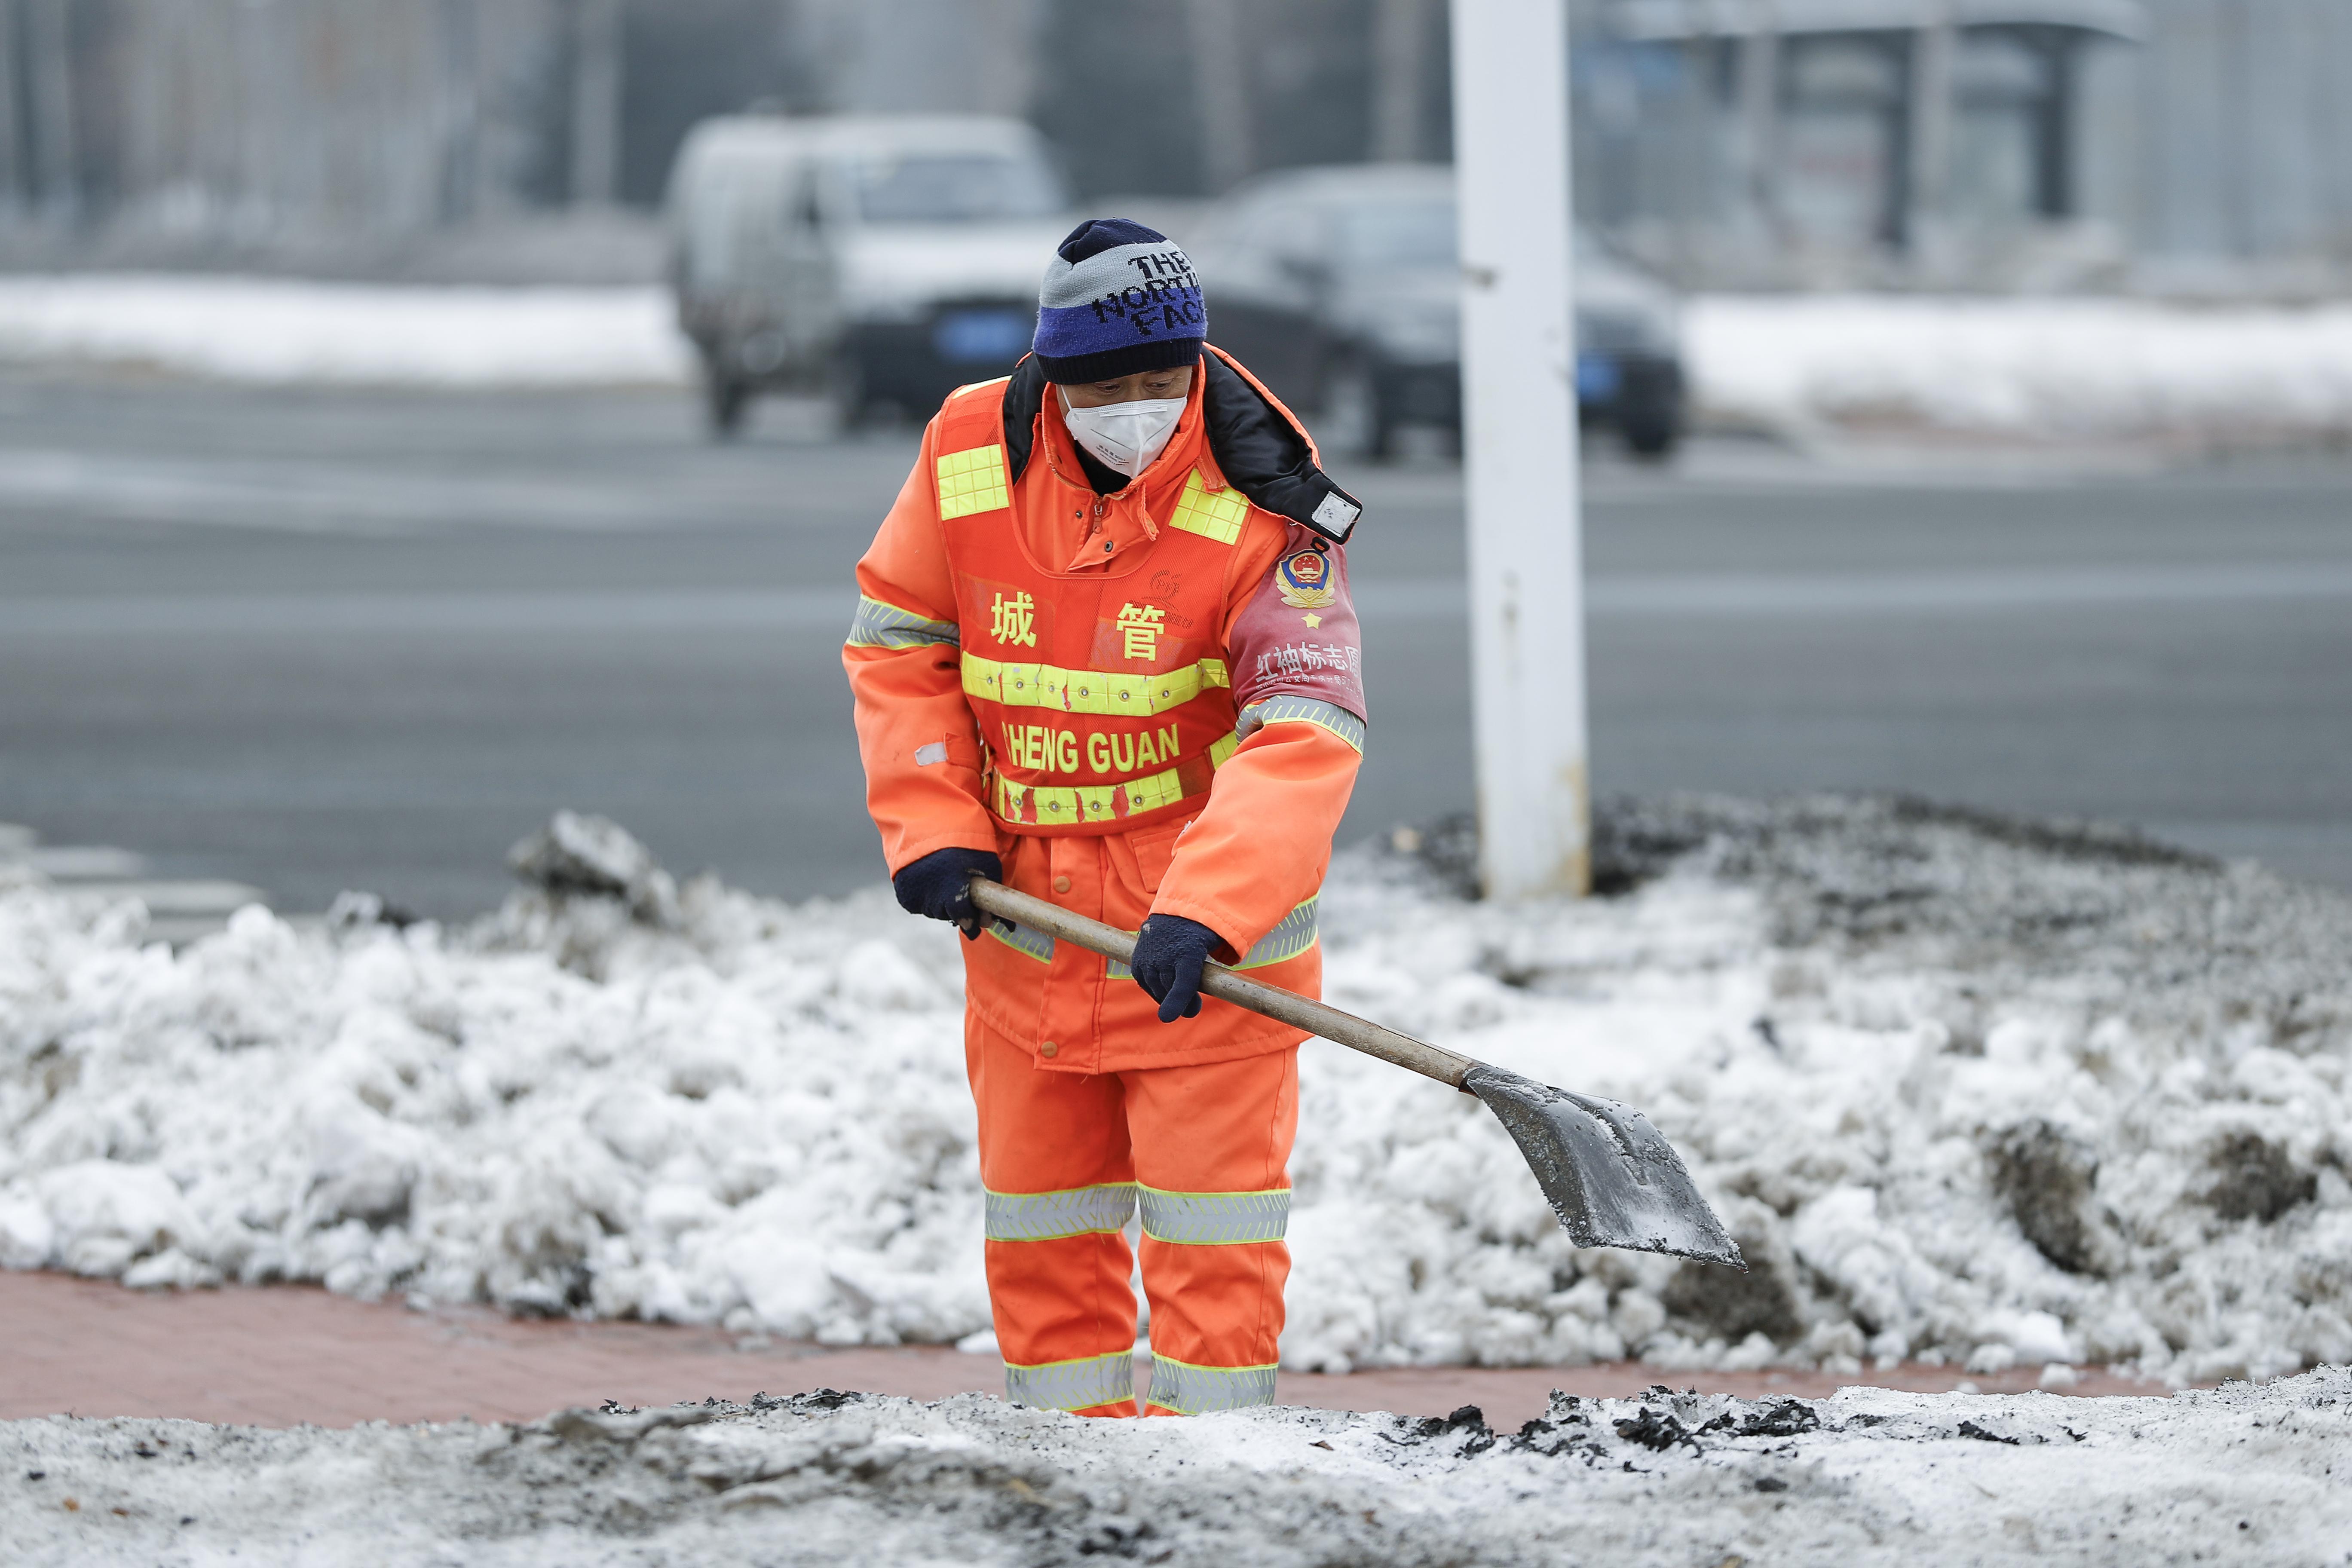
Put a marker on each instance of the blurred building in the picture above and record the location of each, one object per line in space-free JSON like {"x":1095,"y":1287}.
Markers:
{"x":1836,"y":140}
{"x":2172,"y":143}
{"x":2032,"y":143}
{"x":305,"y":130}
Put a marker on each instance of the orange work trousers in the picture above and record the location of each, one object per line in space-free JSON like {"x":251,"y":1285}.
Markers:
{"x":1069,"y":1158}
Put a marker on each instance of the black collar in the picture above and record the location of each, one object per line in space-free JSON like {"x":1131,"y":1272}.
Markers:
{"x":1263,"y":454}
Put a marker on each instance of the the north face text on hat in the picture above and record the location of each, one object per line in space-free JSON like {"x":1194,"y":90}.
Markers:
{"x":1119,"y":298}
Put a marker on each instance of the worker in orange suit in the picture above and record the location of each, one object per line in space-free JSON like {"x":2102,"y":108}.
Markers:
{"x":1104,"y":653}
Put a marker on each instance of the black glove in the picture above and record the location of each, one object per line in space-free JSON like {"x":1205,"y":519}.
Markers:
{"x":939,"y":885}
{"x":1169,"y":952}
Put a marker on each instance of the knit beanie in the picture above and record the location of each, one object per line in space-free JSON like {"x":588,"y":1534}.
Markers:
{"x":1118,"y":299}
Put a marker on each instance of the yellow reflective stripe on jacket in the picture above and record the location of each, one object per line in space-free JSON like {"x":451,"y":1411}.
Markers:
{"x":1292,"y":935}
{"x":1111,"y":692}
{"x":1215,"y":1219}
{"x":973,"y":480}
{"x":1023,"y":939}
{"x":1056,"y":805}
{"x":1189,"y":1390}
{"x":1211,"y":514}
{"x":880,"y":625}
{"x":1299,"y":710}
{"x":1073,"y":1384}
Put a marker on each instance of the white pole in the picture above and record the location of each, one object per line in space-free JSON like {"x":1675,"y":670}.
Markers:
{"x":1221,"y":92}
{"x":1519,"y":446}
{"x":596,"y":102}
{"x":1400,"y":38}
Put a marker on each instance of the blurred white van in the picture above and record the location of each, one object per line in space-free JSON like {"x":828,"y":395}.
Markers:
{"x":885,"y":259}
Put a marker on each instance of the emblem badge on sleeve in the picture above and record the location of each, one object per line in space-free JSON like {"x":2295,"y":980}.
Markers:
{"x":1304,"y":580}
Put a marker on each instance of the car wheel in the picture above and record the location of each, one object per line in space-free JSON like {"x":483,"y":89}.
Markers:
{"x":845,"y":389}
{"x":1650,"y":409}
{"x":725,"y":396}
{"x":1351,"y":425}
{"x":1652,"y":429}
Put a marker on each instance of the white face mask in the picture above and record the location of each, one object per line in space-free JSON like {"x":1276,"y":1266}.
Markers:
{"x":1124,"y":437}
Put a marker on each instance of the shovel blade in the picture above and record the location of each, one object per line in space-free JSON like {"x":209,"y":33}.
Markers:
{"x":1612,"y":1178}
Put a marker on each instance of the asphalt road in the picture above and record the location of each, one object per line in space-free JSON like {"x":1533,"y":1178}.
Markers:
{"x":325,"y":640}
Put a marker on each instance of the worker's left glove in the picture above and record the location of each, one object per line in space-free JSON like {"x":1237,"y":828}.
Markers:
{"x":939,"y":885}
{"x":1169,"y":953}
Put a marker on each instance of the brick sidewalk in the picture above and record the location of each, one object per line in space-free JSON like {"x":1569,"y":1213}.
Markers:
{"x":282,"y":1356}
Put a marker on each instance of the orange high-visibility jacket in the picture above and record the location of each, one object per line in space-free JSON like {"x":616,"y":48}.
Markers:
{"x":1144,"y":702}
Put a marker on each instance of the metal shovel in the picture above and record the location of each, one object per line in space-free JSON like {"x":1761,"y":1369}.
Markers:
{"x":1612,"y":1180}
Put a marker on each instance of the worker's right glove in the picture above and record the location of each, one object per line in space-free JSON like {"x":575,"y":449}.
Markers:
{"x":939,"y":885}
{"x":1169,"y":952}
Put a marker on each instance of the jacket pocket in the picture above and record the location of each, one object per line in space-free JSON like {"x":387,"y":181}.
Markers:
{"x":1155,"y":851}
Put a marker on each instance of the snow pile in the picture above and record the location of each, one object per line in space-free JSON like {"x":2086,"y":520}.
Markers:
{"x":2038,"y":368}
{"x":1965,"y":1090}
{"x":769,"y":1129}
{"x":276,"y":331}
{"x":1869,"y":1477}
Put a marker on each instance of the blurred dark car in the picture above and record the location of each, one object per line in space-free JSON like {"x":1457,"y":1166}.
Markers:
{"x":1342,"y":288}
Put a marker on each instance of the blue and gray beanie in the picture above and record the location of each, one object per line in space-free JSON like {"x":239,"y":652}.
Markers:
{"x":1118,"y":299}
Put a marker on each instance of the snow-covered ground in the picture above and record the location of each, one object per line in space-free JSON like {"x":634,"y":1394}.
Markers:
{"x":278,"y":331}
{"x":2045,"y":369}
{"x":1966,"y":1089}
{"x":2042,"y":368}
{"x":2242,"y":1473}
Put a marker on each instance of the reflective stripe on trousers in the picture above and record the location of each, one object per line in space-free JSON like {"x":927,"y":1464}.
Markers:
{"x":1043,"y":1216}
{"x":1063,"y":1157}
{"x":1214,"y":1219}
{"x":1191,"y":1389}
{"x":1078,"y":1384}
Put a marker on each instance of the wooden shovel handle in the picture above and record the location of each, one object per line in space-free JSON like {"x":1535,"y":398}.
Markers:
{"x":1216,"y":979}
